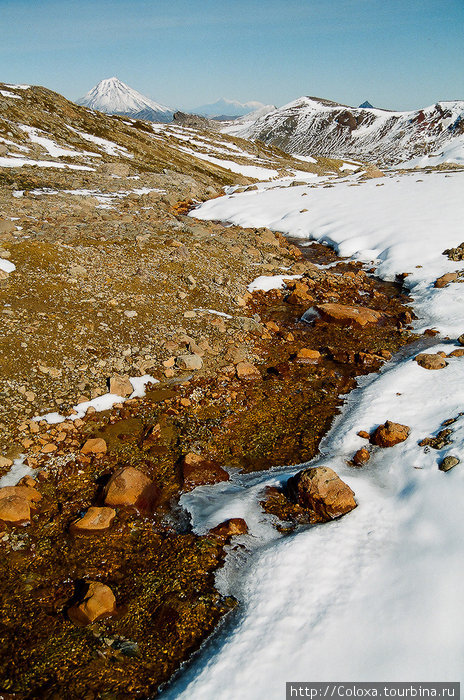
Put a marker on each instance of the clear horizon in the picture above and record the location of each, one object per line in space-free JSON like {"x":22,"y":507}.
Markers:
{"x":399,"y":55}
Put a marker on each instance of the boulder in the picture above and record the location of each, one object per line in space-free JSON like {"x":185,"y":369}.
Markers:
{"x":348,"y":315}
{"x":445,"y":279}
{"x":96,"y":519}
{"x":98,"y":602}
{"x":15,"y":510}
{"x":247,"y":370}
{"x":448,"y":463}
{"x":198,"y":471}
{"x":229,"y":528}
{"x":361,"y":457}
{"x":389,"y":434}
{"x":131,"y":487}
{"x":94,"y":446}
{"x":121,"y":385}
{"x":430,"y":361}
{"x":321,"y":491}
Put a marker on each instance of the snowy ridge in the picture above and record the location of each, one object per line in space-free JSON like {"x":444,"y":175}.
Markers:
{"x":112,"y":96}
{"x":314,"y":126}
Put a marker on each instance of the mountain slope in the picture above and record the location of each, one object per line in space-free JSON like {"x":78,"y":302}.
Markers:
{"x":112,"y":96}
{"x":314,"y":126}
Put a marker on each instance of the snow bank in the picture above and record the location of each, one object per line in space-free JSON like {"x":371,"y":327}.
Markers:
{"x":101,"y":403}
{"x":402,"y":224}
{"x":375,"y":595}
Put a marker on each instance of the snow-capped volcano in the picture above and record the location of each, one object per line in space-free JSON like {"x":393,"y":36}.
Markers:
{"x":112,"y":96}
{"x":228,"y":108}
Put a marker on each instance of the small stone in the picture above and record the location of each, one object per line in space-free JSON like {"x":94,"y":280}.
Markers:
{"x":361,"y":457}
{"x":98,"y":602}
{"x":96,"y":446}
{"x":446,"y":279}
{"x":247,"y":371}
{"x":461,"y":339}
{"x":390,"y":434}
{"x":5,"y":462}
{"x":308,"y":355}
{"x":30,"y":396}
{"x":121,"y":385}
{"x":193,"y":362}
{"x":229,"y":528}
{"x":170,"y":362}
{"x":95,"y":520}
{"x":448,"y":463}
{"x":130,"y":314}
{"x":190,"y":314}
{"x":363,"y":434}
{"x":48,"y":448}
{"x":431,"y":361}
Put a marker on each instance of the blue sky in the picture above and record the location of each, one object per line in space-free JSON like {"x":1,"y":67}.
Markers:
{"x":398,"y":54}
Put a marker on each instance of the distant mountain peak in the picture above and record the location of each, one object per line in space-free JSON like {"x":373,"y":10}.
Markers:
{"x":112,"y":96}
{"x":366,"y":105}
{"x":227,"y":107}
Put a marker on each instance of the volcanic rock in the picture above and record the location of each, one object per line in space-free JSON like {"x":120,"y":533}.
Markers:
{"x":247,"y":370}
{"x":361,"y":457}
{"x":15,"y":510}
{"x":229,"y":528}
{"x":320,"y":490}
{"x":96,"y":446}
{"x":121,"y":385}
{"x":131,"y":487}
{"x":390,"y":434}
{"x":430,"y":361}
{"x":198,"y":471}
{"x":347,"y":315}
{"x":96,"y":519}
{"x":448,"y":463}
{"x":445,"y":279}
{"x":98,"y":602}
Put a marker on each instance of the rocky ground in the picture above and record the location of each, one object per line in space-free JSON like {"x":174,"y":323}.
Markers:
{"x":106,"y":590}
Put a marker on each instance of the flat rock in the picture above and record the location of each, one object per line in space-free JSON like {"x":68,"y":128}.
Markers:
{"x":320,"y":490}
{"x":95,"y":446}
{"x":347,"y":315}
{"x":131,"y":487}
{"x":199,"y":471}
{"x":430,"y":361}
{"x":390,"y":434}
{"x":247,"y":370}
{"x":31,"y":495}
{"x":15,"y":510}
{"x":308,"y":355}
{"x":98,"y":602}
{"x":96,"y":519}
{"x":445,"y":279}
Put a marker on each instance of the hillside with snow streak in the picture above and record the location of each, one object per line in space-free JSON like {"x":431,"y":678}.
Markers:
{"x":313,"y":126}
